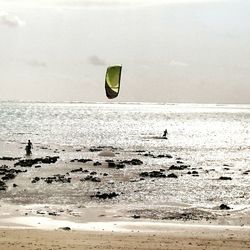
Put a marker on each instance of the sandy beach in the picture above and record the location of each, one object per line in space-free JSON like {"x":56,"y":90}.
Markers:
{"x":180,"y":238}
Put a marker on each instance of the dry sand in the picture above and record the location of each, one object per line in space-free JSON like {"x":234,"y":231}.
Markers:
{"x":180,"y":237}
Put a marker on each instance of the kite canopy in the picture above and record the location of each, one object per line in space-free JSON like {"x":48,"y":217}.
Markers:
{"x":112,"y":81}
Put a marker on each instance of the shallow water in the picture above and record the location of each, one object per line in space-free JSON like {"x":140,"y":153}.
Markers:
{"x":204,"y":136}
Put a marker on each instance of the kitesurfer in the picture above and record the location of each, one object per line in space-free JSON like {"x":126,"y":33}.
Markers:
{"x":165,"y":133}
{"x":28,"y":148}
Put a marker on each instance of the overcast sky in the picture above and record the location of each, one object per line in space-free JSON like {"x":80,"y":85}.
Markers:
{"x":171,"y":51}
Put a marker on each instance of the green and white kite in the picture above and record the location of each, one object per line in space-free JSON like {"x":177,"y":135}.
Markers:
{"x":112,"y":81}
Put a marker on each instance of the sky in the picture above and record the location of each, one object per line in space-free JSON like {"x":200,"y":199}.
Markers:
{"x":188,"y":51}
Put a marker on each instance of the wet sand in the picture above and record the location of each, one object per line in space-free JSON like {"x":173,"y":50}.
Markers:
{"x":171,"y":238}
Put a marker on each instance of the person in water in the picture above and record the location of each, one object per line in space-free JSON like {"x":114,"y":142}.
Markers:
{"x":165,"y":133}
{"x":28,"y":148}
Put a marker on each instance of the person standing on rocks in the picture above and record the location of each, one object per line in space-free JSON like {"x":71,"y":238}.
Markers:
{"x":28,"y":148}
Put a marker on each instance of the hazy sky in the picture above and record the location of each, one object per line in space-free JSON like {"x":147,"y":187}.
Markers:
{"x":171,"y":51}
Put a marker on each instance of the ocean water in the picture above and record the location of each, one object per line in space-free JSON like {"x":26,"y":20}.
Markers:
{"x":128,"y":125}
{"x":204,"y":136}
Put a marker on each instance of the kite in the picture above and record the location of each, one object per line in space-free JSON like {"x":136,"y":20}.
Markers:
{"x":112,"y":81}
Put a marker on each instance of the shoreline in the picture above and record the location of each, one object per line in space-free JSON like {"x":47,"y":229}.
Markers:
{"x":122,"y":225}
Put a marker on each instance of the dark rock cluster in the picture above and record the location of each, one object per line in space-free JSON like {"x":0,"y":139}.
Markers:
{"x":31,"y":162}
{"x":181,"y":167}
{"x":225,"y":178}
{"x":4,"y":158}
{"x":56,"y":178}
{"x":3,"y":186}
{"x":81,"y":160}
{"x":105,"y":195}
{"x":9,"y":173}
{"x":153,"y":174}
{"x":158,"y":156}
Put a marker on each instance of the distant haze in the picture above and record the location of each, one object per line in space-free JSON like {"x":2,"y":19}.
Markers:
{"x":171,"y":51}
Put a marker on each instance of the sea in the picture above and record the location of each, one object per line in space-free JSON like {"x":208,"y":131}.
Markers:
{"x":214,"y":140}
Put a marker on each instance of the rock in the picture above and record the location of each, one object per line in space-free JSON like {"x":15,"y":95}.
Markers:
{"x":120,"y":166}
{"x":3,"y":186}
{"x":105,"y":195}
{"x":172,"y":176}
{"x":96,"y":179}
{"x":225,"y":178}
{"x":111,"y":165}
{"x":76,"y":170}
{"x":95,"y":149}
{"x":57,"y":178}
{"x":40,"y":212}
{"x":179,"y":162}
{"x":181,"y":167}
{"x":4,"y":158}
{"x":91,"y":178}
{"x":81,"y":160}
{"x":8,"y":176}
{"x":65,"y":228}
{"x":135,"y":216}
{"x":31,"y":162}
{"x":144,"y":174}
{"x":224,"y":207}
{"x":153,"y":174}
{"x":97,"y":163}
{"x":15,"y":185}
{"x":164,"y":156}
{"x":35,"y":180}
{"x":52,"y":213}
{"x":132,"y":162}
{"x":38,"y":166}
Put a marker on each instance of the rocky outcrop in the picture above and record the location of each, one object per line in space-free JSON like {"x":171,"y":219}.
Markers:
{"x":31,"y":162}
